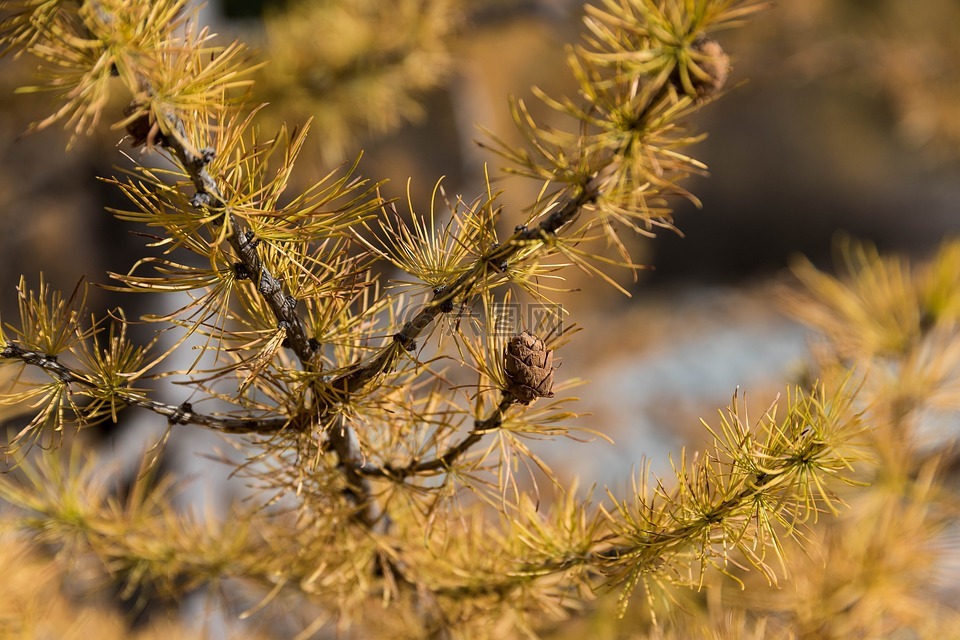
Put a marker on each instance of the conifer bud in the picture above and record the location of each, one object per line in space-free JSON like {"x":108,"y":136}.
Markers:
{"x":143,"y":130}
{"x":716,"y":65}
{"x":529,"y":368}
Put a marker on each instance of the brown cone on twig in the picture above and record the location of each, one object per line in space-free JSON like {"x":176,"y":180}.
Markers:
{"x":529,"y":367}
{"x":715,"y":63}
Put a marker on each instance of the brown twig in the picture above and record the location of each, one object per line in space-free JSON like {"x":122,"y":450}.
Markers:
{"x":444,"y":461}
{"x":413,"y":328}
{"x":244,"y":243}
{"x":176,"y":414}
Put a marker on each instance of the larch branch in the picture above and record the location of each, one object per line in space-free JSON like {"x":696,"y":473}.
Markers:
{"x":176,"y":414}
{"x":446,"y":460}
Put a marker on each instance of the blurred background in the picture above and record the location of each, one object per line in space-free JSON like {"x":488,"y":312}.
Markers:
{"x":841,"y":117}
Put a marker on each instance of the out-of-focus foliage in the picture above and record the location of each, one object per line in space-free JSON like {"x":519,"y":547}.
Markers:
{"x":355,"y":66}
{"x":905,"y":51}
{"x":34,"y":604}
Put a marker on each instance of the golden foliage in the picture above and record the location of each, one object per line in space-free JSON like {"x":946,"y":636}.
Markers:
{"x":392,"y":466}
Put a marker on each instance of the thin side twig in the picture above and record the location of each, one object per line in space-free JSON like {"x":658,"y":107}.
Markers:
{"x":444,"y":461}
{"x":176,"y":414}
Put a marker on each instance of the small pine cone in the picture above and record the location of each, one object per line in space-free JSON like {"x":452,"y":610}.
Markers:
{"x":529,"y":368}
{"x":716,"y":65}
{"x":142,"y":130}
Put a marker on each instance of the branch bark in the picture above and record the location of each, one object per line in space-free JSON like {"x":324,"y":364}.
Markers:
{"x":340,"y":435}
{"x":444,"y":461}
{"x":176,"y":414}
{"x":407,"y":336}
